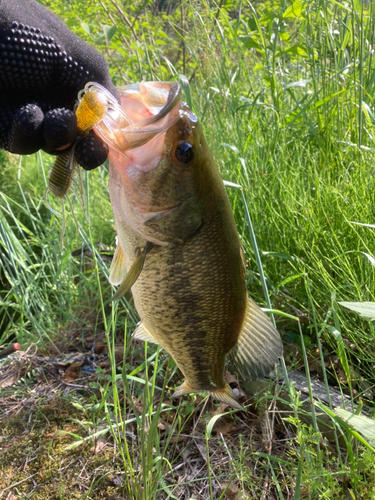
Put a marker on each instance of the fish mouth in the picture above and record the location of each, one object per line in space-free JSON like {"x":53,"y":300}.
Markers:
{"x":147,"y":109}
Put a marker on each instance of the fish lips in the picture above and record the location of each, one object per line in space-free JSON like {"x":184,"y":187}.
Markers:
{"x":151,"y":108}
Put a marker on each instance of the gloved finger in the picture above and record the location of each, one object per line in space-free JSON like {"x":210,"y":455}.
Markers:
{"x":91,"y":151}
{"x":59,"y":129}
{"x":40,"y":53}
{"x":25,"y":136}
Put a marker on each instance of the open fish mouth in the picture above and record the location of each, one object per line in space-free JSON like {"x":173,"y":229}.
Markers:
{"x":147,"y":109}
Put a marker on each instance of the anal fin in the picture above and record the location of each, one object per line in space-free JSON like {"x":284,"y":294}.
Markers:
{"x":182,"y":390}
{"x":224,"y":395}
{"x":259,"y":345}
{"x":117,"y":271}
{"x":141,"y":333}
{"x":133,"y":273}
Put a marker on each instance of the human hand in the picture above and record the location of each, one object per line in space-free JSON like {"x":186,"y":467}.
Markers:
{"x":43,"y":66}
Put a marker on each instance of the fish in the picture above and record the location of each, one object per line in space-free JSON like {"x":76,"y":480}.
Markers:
{"x":178,"y":248}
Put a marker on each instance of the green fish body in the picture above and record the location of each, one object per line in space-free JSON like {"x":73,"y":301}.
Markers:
{"x":179,"y":251}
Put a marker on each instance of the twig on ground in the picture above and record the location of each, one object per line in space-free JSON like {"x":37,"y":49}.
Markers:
{"x":18,"y":483}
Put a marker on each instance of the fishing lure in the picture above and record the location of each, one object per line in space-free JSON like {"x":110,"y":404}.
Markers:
{"x":90,"y":110}
{"x":97,"y":109}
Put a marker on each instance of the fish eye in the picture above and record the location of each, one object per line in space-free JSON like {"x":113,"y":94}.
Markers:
{"x":184,"y":152}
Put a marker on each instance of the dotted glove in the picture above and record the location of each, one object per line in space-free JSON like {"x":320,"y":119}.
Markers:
{"x":43,"y":66}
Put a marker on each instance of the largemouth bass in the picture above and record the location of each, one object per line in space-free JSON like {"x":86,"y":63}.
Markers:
{"x":178,"y":248}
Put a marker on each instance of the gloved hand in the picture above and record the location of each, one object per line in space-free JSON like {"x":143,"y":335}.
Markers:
{"x":43,"y":66}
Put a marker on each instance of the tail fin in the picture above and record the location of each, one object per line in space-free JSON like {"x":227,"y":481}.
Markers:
{"x":259,"y":345}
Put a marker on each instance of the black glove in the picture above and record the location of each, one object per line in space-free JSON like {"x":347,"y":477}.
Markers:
{"x":43,"y":66}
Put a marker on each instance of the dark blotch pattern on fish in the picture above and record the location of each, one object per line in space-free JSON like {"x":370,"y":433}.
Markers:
{"x":196,"y":310}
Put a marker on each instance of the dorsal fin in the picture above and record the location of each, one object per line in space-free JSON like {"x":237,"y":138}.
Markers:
{"x":259,"y":345}
{"x":117,"y":271}
{"x":133,"y":273}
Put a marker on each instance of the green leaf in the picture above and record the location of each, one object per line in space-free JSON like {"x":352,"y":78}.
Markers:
{"x":295,"y":115}
{"x":368,"y":113}
{"x":186,"y":88}
{"x":362,"y":424}
{"x":357,"y":6}
{"x":341,"y":351}
{"x":109,"y":32}
{"x":290,"y":278}
{"x":367,"y":255}
{"x":363,"y":224}
{"x":294,"y":10}
{"x":327,"y":99}
{"x":299,"y":83}
{"x":78,"y":406}
{"x":211,"y":424}
{"x":232,"y":184}
{"x":364,"y":309}
{"x":280,"y":313}
{"x":297,"y":50}
{"x":370,"y":258}
{"x":297,"y":490}
{"x":250,"y":43}
{"x":272,"y":458}
{"x":270,"y":16}
{"x":343,"y":424}
{"x":252,"y":23}
{"x":230,"y":146}
{"x":86,"y":27}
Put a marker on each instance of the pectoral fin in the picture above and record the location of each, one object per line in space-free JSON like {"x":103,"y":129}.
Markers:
{"x":259,"y":345}
{"x":133,"y":273}
{"x":141,"y":333}
{"x":155,"y":216}
{"x":117,"y":271}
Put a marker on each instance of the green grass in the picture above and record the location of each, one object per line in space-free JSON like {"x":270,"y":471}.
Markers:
{"x":284,"y":92}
